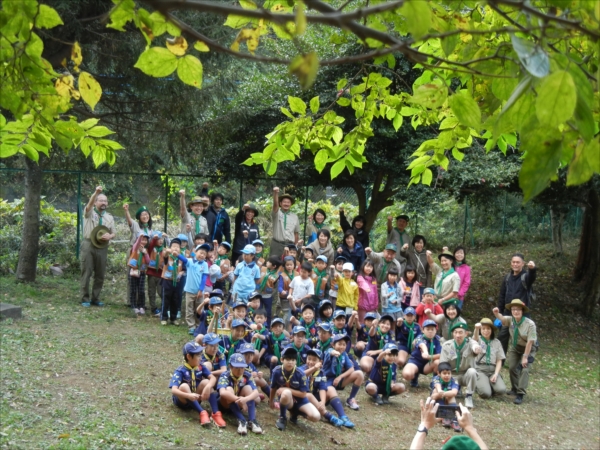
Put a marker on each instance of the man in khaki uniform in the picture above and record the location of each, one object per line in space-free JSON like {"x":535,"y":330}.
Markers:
{"x":286,"y":226}
{"x":192,"y":223}
{"x":93,"y":259}
{"x":521,"y":347}
{"x":460,"y":353}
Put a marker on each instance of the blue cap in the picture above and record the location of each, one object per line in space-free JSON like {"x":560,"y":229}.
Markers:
{"x":298,"y":329}
{"x":211,"y":339}
{"x":370,"y":315}
{"x":289,"y":351}
{"x":226,"y":244}
{"x":215,"y":301}
{"x":340,"y":258}
{"x":277,"y":320}
{"x":325,"y":302}
{"x":182,"y":237}
{"x":429,"y":291}
{"x":238,"y":323}
{"x":143,"y":233}
{"x":204,"y":246}
{"x":410,"y":310}
{"x":254,"y":295}
{"x":237,"y":360}
{"x":246,"y":347}
{"x":315,"y":352}
{"x":191,"y":348}
{"x":249,"y":250}
{"x":216,"y":293}
{"x":307,"y":306}
{"x":430,"y":323}
{"x":157,"y":234}
{"x":238,"y":304}
{"x":338,"y":312}
{"x":326,"y":326}
{"x":258,"y":241}
{"x":321,"y":258}
{"x":388,"y":317}
{"x":339,"y":337}
{"x":391,"y":346}
{"x":391,"y":247}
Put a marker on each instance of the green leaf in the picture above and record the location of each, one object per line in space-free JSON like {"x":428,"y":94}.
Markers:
{"x":6,"y":151}
{"x":426,"y":177}
{"x":113,"y":145}
{"x":157,"y":62}
{"x":321,"y":160}
{"x":337,"y":135}
{"x":418,"y":17}
{"x":121,"y":14}
{"x":300,"y":18}
{"x":100,"y":131}
{"x":159,"y":23}
{"x":342,"y":84}
{"x":35,"y":46}
{"x":89,"y":123}
{"x":539,"y":166}
{"x":458,"y":155}
{"x":343,"y":101}
{"x":90,"y":89}
{"x":287,"y":112}
{"x":314,"y":104}
{"x":337,"y":168}
{"x":502,"y":88}
{"x":67,"y":131}
{"x":47,"y":17}
{"x":532,"y":56}
{"x":449,"y":43}
{"x":99,"y":155}
{"x":248,"y":4}
{"x":173,"y":29}
{"x":86,"y":146}
{"x":397,"y":122}
{"x":30,"y":152}
{"x":466,"y":109}
{"x":271,"y":168}
{"x":584,"y":119}
{"x":448,"y":123}
{"x":556,"y":100}
{"x":297,"y":105}
{"x":201,"y":46}
{"x":189,"y":70}
{"x":305,"y":68}
{"x":579,"y":168}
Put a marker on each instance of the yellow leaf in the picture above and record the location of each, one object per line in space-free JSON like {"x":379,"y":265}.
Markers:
{"x":201,"y":46}
{"x":91,"y":91}
{"x":177,"y":46}
{"x":65,"y":86}
{"x":64,"y":436}
{"x":305,"y":68}
{"x":76,"y":56}
{"x":248,"y":35}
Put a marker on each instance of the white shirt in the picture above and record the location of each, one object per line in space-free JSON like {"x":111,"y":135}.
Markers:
{"x":302,"y":288}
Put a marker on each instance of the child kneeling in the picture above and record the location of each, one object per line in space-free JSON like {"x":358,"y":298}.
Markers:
{"x":444,"y":390}
{"x":382,"y":380}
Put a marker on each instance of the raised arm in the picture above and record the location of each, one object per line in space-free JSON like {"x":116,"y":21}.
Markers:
{"x":389,"y":224}
{"x":275,"y":200}
{"x":127,"y":215}
{"x":182,"y":206}
{"x":92,"y":200}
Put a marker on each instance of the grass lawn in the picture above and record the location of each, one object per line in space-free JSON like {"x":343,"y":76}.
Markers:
{"x":97,"y":378}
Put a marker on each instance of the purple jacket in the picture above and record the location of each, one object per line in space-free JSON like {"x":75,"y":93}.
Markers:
{"x":464,"y":272}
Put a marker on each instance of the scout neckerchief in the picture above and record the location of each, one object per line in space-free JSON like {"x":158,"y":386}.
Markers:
{"x":450,"y":323}
{"x":516,"y":333}
{"x":197,"y":217}
{"x":320,"y":275}
{"x":444,"y":275}
{"x":312,"y":379}
{"x":431,"y":345}
{"x":285,"y":214}
{"x":307,"y":327}
{"x":458,"y":349}
{"x":158,"y":251}
{"x":323,"y":345}
{"x":209,"y":358}
{"x":265,"y":279}
{"x":174,"y":275}
{"x":383,"y":272}
{"x":100,"y":214}
{"x":257,"y":343}
{"x":400,"y":233}
{"x":290,"y":276}
{"x":287,"y":379}
{"x":258,"y":255}
{"x":487,"y":350}
{"x":338,"y":365}
{"x":411,"y":335}
{"x":388,"y":379}
{"x":193,"y":371}
{"x":220,"y":258}
{"x":140,"y":257}
{"x":236,"y":382}
{"x":381,"y":338}
{"x":299,"y":356}
{"x":457,"y":263}
{"x":231,"y":350}
{"x":145,"y":227}
{"x":276,"y":341}
{"x":445,"y":385}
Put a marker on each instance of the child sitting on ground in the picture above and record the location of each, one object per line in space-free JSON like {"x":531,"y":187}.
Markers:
{"x":407,"y":332}
{"x":382,"y":380}
{"x":238,"y":333}
{"x":307,"y":321}
{"x":248,"y":351}
{"x":325,"y":311}
{"x":212,"y":357}
{"x":381,"y":333}
{"x":298,"y":344}
{"x":339,"y":369}
{"x":205,"y":316}
{"x":324,"y":332}
{"x":444,"y":390}
{"x":425,"y":357}
{"x":273,"y":345}
{"x":362,"y":332}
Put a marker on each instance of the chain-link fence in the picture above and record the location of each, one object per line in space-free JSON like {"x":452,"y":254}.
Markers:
{"x":65,"y":193}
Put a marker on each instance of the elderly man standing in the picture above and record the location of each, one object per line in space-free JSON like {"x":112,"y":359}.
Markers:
{"x":385,"y":260}
{"x":192,"y":223}
{"x":98,"y":230}
{"x":286,"y":226}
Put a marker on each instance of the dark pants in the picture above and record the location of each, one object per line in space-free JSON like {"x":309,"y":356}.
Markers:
{"x":137,"y":294}
{"x":93,"y":261}
{"x":171,"y":300}
{"x":154,"y":287}
{"x":267,"y":305}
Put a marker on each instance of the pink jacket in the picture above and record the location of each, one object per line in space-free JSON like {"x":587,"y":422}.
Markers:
{"x":415,"y":296}
{"x":369,"y":301}
{"x":464,"y":272}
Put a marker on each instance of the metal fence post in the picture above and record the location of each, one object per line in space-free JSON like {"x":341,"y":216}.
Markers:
{"x":78,"y":242}
{"x":305,"y":212}
{"x":166,"y":200}
{"x":504,"y":215}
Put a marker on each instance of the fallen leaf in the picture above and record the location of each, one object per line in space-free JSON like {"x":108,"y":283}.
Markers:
{"x":64,"y":436}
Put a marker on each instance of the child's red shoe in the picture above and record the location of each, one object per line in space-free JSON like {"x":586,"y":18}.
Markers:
{"x":218,"y":419}
{"x":204,"y":419}
{"x":262,"y":397}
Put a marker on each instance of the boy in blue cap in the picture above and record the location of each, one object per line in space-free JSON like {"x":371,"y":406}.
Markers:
{"x":381,"y":333}
{"x":273,"y":344}
{"x":298,"y":344}
{"x":340,"y":327}
{"x":362,"y":332}
{"x":193,"y":382}
{"x":382,"y":379}
{"x":407,"y":332}
{"x":237,"y":393}
{"x":324,"y":332}
{"x":425,"y":357}
{"x":213,"y":356}
{"x":245,"y":275}
{"x":238,"y":333}
{"x":307,"y":321}
{"x":205,"y":316}
{"x":248,"y":351}
{"x":320,"y":394}
{"x":339,"y":369}
{"x":289,"y":383}
{"x":197,"y":273}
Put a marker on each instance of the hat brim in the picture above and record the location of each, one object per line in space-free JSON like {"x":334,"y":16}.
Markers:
{"x":522,"y":306}
{"x":238,"y":365}
{"x":446,"y":255}
{"x":284,"y":196}
{"x":189,"y":205}
{"x":489,"y":324}
{"x":96,"y":241}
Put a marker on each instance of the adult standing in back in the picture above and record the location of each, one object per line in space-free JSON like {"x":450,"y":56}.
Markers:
{"x":286,"y":226}
{"x":398,"y":235}
{"x":192,"y":222}
{"x":94,"y":249}
{"x":221,"y":229}
{"x":246,"y":230}
{"x":464,"y":272}
{"x":358,"y":225}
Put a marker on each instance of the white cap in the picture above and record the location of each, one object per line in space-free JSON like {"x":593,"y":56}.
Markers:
{"x":348,"y":266}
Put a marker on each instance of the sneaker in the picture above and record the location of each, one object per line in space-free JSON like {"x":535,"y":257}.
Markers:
{"x":204,"y":419}
{"x":242,"y":428}
{"x":351,"y":402}
{"x":347,"y":422}
{"x":163,"y":322}
{"x":512,"y":392}
{"x":217,"y":418}
{"x":414,"y":383}
{"x":518,"y":399}
{"x":191,"y":330}
{"x":386,"y":400}
{"x":98,"y":304}
{"x":469,"y":401}
{"x":156,"y":312}
{"x":281,"y":423}
{"x":179,"y":314}
{"x":456,"y":427}
{"x":336,"y":421}
{"x":86,"y":304}
{"x":294,"y":419}
{"x":377,"y":400}
{"x":255,"y":427}
{"x":142,"y":311}
{"x":447,"y":423}
{"x":136,"y":311}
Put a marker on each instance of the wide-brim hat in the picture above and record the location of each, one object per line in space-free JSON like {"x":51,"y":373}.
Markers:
{"x":517,"y":302}
{"x":403,"y":216}
{"x":252,"y":206}
{"x":139,"y":212}
{"x":281,"y":197}
{"x":489,"y":323}
{"x":196,"y":199}
{"x":96,"y":236}
{"x":447,"y":254}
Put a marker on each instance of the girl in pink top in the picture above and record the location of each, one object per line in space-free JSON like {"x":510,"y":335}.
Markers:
{"x":464,"y":272}
{"x":368,"y":297}
{"x":410,"y":287}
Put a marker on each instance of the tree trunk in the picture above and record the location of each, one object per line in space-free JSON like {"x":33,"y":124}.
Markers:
{"x":557,"y":217}
{"x":26,"y":269}
{"x":587,"y":269}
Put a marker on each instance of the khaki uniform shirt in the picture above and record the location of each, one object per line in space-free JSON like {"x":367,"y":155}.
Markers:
{"x":188,"y":218}
{"x":292,"y":225}
{"x":527,"y":331}
{"x":496,"y":352}
{"x":450,"y":284}
{"x":91,"y":220}
{"x":467,"y":355}
{"x":382,"y":267}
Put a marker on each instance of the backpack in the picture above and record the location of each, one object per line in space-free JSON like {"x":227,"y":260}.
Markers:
{"x":531,"y":297}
